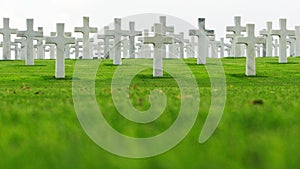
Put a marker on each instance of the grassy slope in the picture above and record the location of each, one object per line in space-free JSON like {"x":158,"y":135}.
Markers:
{"x":39,"y":127}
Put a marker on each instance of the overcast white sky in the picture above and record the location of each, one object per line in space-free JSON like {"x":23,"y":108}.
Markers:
{"x":218,"y":13}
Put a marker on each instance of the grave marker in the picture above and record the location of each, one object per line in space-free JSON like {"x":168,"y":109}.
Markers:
{"x":158,"y":42}
{"x":60,"y":41}
{"x":250,"y":42}
{"x":6,"y":32}
{"x":30,"y":35}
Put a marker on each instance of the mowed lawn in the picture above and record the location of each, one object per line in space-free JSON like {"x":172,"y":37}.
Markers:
{"x":260,"y":128}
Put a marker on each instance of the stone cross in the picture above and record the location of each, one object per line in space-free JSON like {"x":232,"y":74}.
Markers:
{"x":67,"y":47}
{"x":269,"y":39}
{"x":297,"y":43}
{"x":145,"y":49}
{"x":86,"y":30}
{"x":16,"y":50}
{"x":237,"y":31}
{"x":221,"y":44}
{"x":228,"y":49}
{"x":292,"y":41}
{"x":106,"y":39}
{"x":23,"y":49}
{"x":6,"y":32}
{"x":203,"y":40}
{"x":258,"y":50}
{"x":158,"y":42}
{"x":276,"y":47}
{"x":188,"y":50}
{"x":52,"y":47}
{"x":132,"y":34}
{"x":100,"y":49}
{"x":60,"y":41}
{"x":250,"y":42}
{"x":117,"y":33}
{"x":283,"y":33}
{"x":29,"y":34}
{"x":165,"y":29}
{"x":173,"y":48}
{"x":194,"y":44}
{"x":180,"y":40}
{"x":76,"y":47}
{"x":213,"y":47}
{"x":40,"y":45}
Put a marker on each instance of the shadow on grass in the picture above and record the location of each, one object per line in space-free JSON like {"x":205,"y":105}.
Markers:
{"x":289,"y":63}
{"x":233,"y":58}
{"x":110,"y":64}
{"x":148,"y":76}
{"x":28,"y":66}
{"x":68,"y":78}
{"x":244,"y":76}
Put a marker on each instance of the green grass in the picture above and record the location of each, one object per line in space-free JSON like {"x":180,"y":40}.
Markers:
{"x":39,"y":127}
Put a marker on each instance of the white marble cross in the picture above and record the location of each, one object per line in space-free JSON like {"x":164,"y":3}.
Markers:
{"x":221,"y":44}
{"x":203,"y":40}
{"x":132,"y":34}
{"x":117,"y":33}
{"x":165,"y":29}
{"x":6,"y":32}
{"x":297,"y":43}
{"x":180,"y":40}
{"x":269,"y":39}
{"x":106,"y":39}
{"x":276,"y":47}
{"x":86,"y":30}
{"x":213,"y":44}
{"x":158,"y":42}
{"x":145,"y":49}
{"x":292,"y":41}
{"x":250,"y":42}
{"x":125,"y":47}
{"x":30,"y":35}
{"x":68,"y":47}
{"x":60,"y":41}
{"x":40,"y":45}
{"x":237,"y":30}
{"x":23,"y":49}
{"x":283,"y":33}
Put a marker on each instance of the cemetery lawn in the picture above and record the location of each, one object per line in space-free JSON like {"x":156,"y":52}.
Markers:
{"x":260,"y":128}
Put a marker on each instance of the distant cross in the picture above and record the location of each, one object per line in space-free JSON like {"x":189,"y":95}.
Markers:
{"x":158,"y":42}
{"x":202,"y":33}
{"x":283,"y":33}
{"x":181,"y":41}
{"x":6,"y":32}
{"x":165,"y":29}
{"x":106,"y":39}
{"x":67,"y":47}
{"x":30,"y":35}
{"x":145,"y":49}
{"x":276,"y":47}
{"x":221,"y":44}
{"x":237,"y":31}
{"x":60,"y":41}
{"x":86,"y":30}
{"x":23,"y":49}
{"x":297,"y":43}
{"x":269,"y":39}
{"x":40,"y":45}
{"x":132,"y":34}
{"x":213,"y":47}
{"x":291,"y":41}
{"x":250,"y":42}
{"x":117,"y":33}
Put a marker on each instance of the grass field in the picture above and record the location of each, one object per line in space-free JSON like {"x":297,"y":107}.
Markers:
{"x":39,"y":128}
